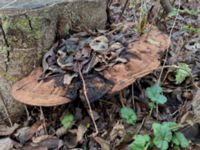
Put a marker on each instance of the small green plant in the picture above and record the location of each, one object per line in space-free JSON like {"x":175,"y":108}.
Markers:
{"x":142,"y":22}
{"x":141,"y":142}
{"x":182,"y":72}
{"x":128,"y":115}
{"x":173,"y":13}
{"x":190,"y":28}
{"x":179,"y":140}
{"x":162,"y":136}
{"x":155,"y":94}
{"x":67,"y":120}
{"x":133,"y":3}
{"x":167,"y":133}
{"x":191,"y":12}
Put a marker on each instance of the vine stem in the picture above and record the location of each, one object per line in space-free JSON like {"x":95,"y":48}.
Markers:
{"x":170,"y":35}
{"x":6,"y":110}
{"x":88,"y":102}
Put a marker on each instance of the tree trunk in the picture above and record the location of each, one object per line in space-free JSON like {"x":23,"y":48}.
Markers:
{"x":166,"y":5}
{"x":28,"y":29}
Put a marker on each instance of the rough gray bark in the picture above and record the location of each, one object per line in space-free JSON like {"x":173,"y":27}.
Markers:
{"x":28,"y":29}
{"x":166,"y":5}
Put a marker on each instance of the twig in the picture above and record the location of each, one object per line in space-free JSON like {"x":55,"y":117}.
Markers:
{"x":27,"y":112}
{"x":124,"y":8}
{"x":170,"y":35}
{"x":88,"y":102}
{"x":132,"y":95}
{"x":141,"y":125}
{"x":43,"y":118}
{"x":6,"y":110}
{"x":121,"y":98}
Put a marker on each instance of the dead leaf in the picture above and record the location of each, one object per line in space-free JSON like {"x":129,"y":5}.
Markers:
{"x":75,"y":136}
{"x":61,"y":131}
{"x":68,"y":78}
{"x":8,"y":144}
{"x":97,"y":86}
{"x":6,"y":131}
{"x":188,"y":118}
{"x":117,"y":131}
{"x":50,"y":53}
{"x":26,"y":133}
{"x":105,"y":145}
{"x":48,"y":141}
{"x":80,"y":133}
{"x":41,"y":138}
{"x":196,"y":105}
{"x":99,"y":44}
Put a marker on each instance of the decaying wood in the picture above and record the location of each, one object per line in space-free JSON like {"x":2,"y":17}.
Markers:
{"x":145,"y":59}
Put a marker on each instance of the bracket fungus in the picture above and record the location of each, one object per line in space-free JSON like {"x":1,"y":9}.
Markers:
{"x":142,"y":59}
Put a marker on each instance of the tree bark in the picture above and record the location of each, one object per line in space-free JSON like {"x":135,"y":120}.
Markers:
{"x":166,"y":5}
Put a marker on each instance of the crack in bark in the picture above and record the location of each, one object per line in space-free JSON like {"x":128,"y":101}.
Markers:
{"x":7,"y":45}
{"x":4,"y":34}
{"x":29,"y":21}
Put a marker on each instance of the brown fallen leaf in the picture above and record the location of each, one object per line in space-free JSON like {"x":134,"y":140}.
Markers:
{"x":61,"y":131}
{"x":48,"y":141}
{"x":68,"y":78}
{"x":196,"y":105}
{"x":6,"y":131}
{"x":117,"y":131}
{"x":8,"y":144}
{"x":105,"y":145}
{"x":26,"y":133}
{"x":75,"y":136}
{"x":99,"y":44}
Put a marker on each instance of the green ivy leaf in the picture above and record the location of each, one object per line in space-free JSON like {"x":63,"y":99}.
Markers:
{"x":163,"y":145}
{"x":175,"y":141}
{"x":155,"y":94}
{"x":162,"y":99}
{"x":67,"y":120}
{"x":162,"y":136}
{"x":140,"y":142}
{"x":171,"y":125}
{"x":192,"y":12}
{"x":173,"y":13}
{"x":128,"y":115}
{"x":182,"y":141}
{"x":182,"y":72}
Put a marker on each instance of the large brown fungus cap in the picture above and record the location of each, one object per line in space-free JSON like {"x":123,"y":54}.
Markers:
{"x":145,"y":52}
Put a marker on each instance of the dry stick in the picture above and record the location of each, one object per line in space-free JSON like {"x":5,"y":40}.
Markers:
{"x":43,"y":118}
{"x":125,"y":5}
{"x":88,"y":101}
{"x":121,"y":98}
{"x":170,"y":35}
{"x":27,"y":112}
{"x":132,"y":95}
{"x":6,"y":110}
{"x":139,"y":129}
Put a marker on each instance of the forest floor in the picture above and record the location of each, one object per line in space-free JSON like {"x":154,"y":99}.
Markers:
{"x":157,"y":111}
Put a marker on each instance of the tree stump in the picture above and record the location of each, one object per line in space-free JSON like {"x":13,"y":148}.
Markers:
{"x":29,"y":28}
